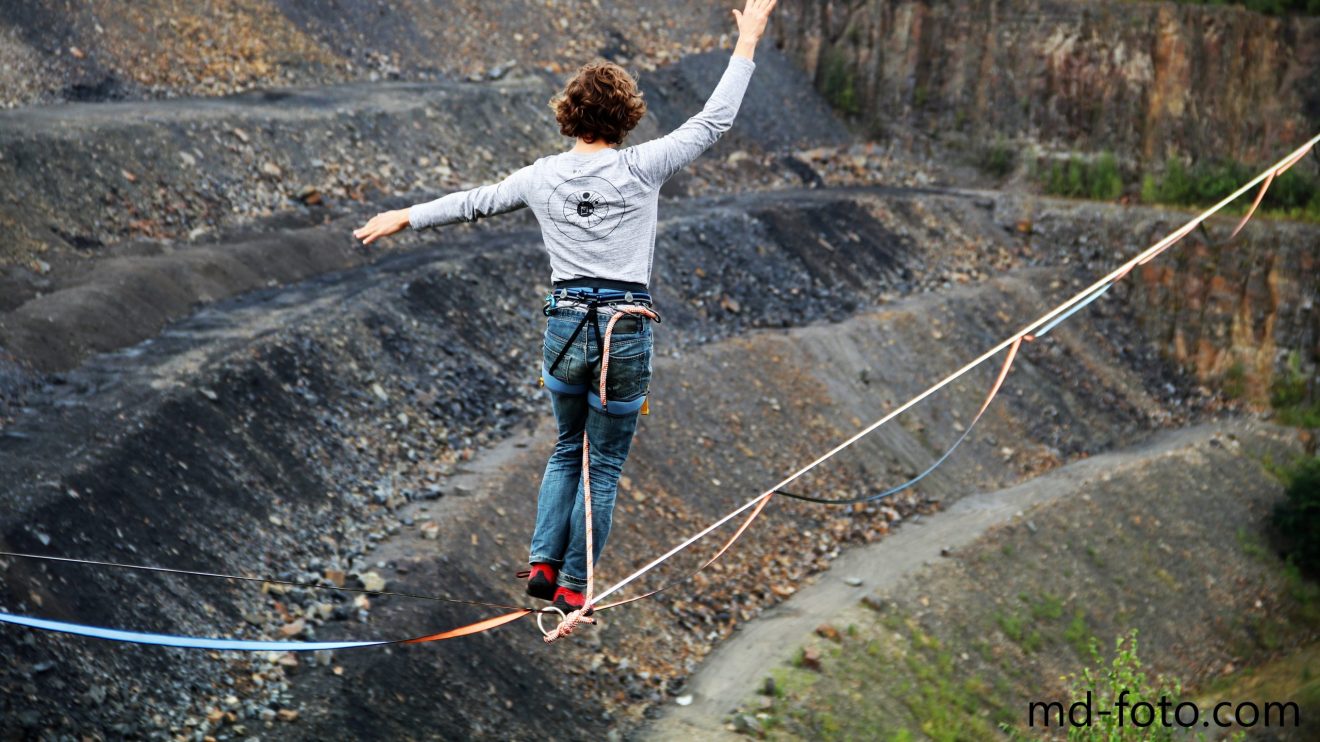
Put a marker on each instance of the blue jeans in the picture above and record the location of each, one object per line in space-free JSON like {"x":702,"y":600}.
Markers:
{"x":560,"y":535}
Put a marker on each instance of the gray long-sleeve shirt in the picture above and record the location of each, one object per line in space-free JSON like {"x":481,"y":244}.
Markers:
{"x":598,"y":211}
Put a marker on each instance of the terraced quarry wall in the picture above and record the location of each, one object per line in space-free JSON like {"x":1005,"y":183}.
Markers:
{"x":1144,"y":79}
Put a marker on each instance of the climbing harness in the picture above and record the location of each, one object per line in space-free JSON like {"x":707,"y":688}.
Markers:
{"x":623,"y":299}
{"x":638,"y":303}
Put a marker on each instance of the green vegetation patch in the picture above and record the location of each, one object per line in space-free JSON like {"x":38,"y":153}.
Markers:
{"x":1105,"y":686}
{"x":1293,"y":396}
{"x":1292,"y":676}
{"x":1078,"y":177}
{"x":1007,"y":631}
{"x":1268,"y":7}
{"x":839,"y":82}
{"x":1293,"y":195}
{"x":1297,"y":518}
{"x":996,"y":159}
{"x":888,"y":679}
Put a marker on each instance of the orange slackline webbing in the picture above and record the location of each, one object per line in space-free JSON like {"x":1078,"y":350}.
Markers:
{"x":756,"y":505}
{"x":1041,"y":324}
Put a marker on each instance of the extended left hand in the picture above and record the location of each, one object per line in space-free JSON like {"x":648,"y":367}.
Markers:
{"x":383,"y":224}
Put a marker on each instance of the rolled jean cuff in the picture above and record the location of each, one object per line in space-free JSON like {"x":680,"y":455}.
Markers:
{"x":571,"y":582}
{"x":535,"y":559}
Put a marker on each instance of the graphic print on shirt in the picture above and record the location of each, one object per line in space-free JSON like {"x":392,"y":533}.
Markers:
{"x":586,"y":208}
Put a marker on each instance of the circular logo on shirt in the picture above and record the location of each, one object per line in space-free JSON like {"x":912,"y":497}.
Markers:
{"x":587,"y":208}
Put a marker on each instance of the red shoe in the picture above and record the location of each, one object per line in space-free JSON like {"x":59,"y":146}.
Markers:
{"x":541,"y":581}
{"x":568,"y":600}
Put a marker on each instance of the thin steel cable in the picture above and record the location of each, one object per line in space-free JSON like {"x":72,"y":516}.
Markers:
{"x":242,"y":578}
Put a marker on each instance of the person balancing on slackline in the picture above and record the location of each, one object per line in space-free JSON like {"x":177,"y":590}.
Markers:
{"x":596,"y":206}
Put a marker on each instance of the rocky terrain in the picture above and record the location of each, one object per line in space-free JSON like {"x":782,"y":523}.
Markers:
{"x":199,"y":368}
{"x":102,"y":50}
{"x":132,"y":179}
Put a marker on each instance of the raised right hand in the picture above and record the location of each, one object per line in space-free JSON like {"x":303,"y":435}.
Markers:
{"x":752,"y":19}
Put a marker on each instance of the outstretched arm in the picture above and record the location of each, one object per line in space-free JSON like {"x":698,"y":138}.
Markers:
{"x":463,"y":206}
{"x":657,"y":160}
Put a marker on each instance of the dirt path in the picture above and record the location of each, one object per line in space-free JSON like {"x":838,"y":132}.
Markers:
{"x":730,"y":673}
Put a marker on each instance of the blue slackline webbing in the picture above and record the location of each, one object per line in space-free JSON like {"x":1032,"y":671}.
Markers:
{"x":1075,"y":308}
{"x":183,"y":642}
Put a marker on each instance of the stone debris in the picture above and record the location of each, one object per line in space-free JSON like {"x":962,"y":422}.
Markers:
{"x":372,"y":582}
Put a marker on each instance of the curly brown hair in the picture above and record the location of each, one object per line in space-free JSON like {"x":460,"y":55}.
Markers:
{"x":601,"y":102}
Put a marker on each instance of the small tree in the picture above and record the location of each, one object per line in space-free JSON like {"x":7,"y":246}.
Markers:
{"x":1121,"y":683}
{"x":1122,"y":680}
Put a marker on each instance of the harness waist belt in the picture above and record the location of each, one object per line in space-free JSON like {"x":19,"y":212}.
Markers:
{"x":601,"y":283}
{"x":601,"y":297}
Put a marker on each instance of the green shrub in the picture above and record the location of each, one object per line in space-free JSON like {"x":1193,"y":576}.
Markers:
{"x":997,"y":159}
{"x":1106,"y":183}
{"x":1268,"y":7}
{"x":1297,"y":518}
{"x":838,"y":83}
{"x":1075,"y":182}
{"x":1294,"y":194}
{"x":1078,"y":634}
{"x":1076,"y":177}
{"x":1011,"y":625}
{"x":1292,"y":398}
{"x":1175,"y":187}
{"x":1150,"y":189}
{"x":1124,"y":678}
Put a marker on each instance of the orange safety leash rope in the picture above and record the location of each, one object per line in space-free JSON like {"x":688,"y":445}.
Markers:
{"x":472,"y":628}
{"x":583,"y":614}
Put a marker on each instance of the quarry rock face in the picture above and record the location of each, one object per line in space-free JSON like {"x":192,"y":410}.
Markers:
{"x":1221,"y":312}
{"x":1145,"y":80}
{"x":1233,"y":313}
